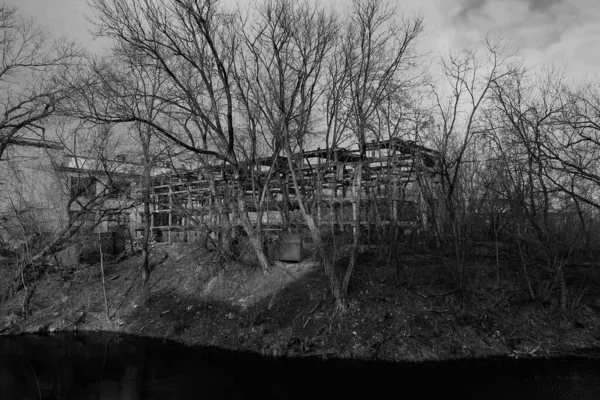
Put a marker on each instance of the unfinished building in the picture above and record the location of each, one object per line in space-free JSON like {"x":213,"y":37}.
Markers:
{"x":399,"y":184}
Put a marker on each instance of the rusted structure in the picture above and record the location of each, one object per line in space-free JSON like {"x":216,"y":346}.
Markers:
{"x":399,"y":179}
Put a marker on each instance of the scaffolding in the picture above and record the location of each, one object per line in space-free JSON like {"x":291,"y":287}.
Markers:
{"x":399,"y":180}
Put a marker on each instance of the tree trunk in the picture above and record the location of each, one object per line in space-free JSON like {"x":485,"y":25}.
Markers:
{"x":563,"y":290}
{"x":285,"y":210}
{"x":356,"y":235}
{"x":225,"y":234}
{"x":458,"y":247}
{"x":254,"y":236}
{"x":146,"y":237}
{"x":315,"y":233}
{"x":106,"y":309}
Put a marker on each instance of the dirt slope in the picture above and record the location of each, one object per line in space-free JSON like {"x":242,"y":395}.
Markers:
{"x":415,"y":315}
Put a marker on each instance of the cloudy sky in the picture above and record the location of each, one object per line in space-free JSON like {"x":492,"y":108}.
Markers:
{"x":557,"y":31}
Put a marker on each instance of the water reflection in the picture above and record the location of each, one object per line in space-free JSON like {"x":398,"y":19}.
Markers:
{"x":101,"y":366}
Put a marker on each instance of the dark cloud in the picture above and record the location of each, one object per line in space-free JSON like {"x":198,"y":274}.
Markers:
{"x":535,"y":24}
{"x":469,"y":8}
{"x":541,"y":5}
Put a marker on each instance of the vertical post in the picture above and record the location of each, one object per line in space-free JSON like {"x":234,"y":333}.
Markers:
{"x":318,"y":192}
{"x":170,"y":210}
{"x":152,"y":213}
{"x":354,"y":213}
{"x":395,"y":196}
{"x":211,"y":215}
{"x":334,"y":208}
{"x":319,"y":213}
{"x":396,"y":171}
{"x":191,"y":211}
{"x":422,"y":207}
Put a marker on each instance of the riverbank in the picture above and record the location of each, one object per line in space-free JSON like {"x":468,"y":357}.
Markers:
{"x":410,"y":314}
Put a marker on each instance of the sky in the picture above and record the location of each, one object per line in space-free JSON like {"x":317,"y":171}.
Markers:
{"x":562,"y":32}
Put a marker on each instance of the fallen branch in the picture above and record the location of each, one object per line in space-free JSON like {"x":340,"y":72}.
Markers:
{"x":315,"y":307}
{"x":306,"y":323}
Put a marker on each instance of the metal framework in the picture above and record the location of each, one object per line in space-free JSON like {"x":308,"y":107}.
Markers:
{"x":399,"y":179}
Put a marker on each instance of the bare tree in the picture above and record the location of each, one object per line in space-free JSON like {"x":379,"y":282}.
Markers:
{"x":286,"y":49}
{"x":380,"y":59}
{"x":31,"y":65}
{"x":573,"y":151}
{"x":193,"y":43}
{"x":459,"y":105}
{"x":53,"y":201}
{"x":550,"y":162}
{"x":136,"y":76}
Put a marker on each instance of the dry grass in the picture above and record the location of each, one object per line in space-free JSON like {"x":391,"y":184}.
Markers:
{"x":194,"y":298}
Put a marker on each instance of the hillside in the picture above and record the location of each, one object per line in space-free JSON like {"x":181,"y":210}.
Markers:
{"x":195,"y":300}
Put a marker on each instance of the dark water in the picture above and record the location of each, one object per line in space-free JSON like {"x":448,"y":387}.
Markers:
{"x":101,"y":366}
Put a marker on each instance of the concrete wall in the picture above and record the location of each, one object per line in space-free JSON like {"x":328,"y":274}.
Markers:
{"x":31,"y":192}
{"x":35,"y":188}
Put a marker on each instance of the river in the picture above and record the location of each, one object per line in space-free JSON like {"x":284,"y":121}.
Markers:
{"x":104,"y":366}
